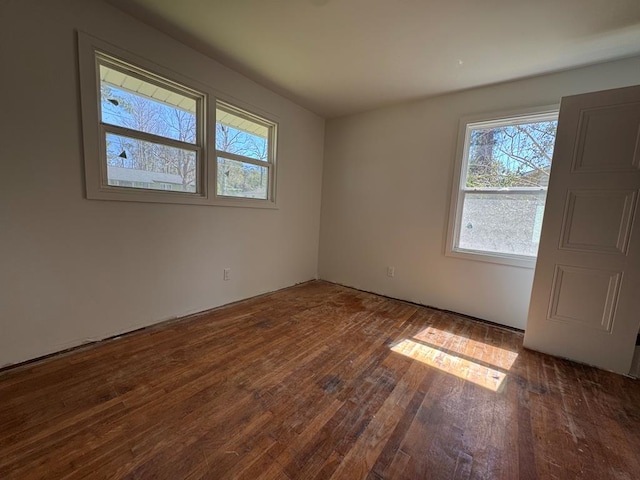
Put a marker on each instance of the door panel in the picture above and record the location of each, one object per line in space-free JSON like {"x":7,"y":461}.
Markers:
{"x":585,"y":302}
{"x":584,"y":296}
{"x":608,"y":139}
{"x":598,"y":220}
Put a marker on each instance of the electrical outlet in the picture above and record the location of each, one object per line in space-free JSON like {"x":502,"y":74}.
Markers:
{"x":226,"y":275}
{"x":391,"y":271}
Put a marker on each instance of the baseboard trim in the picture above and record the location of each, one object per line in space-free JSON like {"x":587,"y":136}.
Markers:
{"x":463,"y":315}
{"x":148,"y":328}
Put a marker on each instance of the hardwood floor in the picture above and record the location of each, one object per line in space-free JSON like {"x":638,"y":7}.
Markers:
{"x":317,"y":381}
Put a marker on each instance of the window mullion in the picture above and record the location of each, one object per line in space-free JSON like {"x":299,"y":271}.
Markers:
{"x":242,"y":158}
{"x":149,"y":137}
{"x":507,"y":191}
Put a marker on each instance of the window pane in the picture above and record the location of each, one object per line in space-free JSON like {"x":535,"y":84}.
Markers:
{"x":511,"y":156}
{"x":502,"y":223}
{"x":129,"y":102}
{"x":240,"y":179}
{"x":236,"y":134}
{"x":140,"y":164}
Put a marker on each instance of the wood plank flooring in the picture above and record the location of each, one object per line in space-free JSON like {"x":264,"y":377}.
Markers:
{"x":317,"y":381}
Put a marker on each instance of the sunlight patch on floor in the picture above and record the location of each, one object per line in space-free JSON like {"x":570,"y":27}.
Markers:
{"x":484,"y":352}
{"x":476,"y":362}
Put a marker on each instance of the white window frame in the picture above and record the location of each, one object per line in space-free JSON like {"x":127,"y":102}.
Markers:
{"x":459,"y":189}
{"x":91,"y":51}
{"x":270,"y":163}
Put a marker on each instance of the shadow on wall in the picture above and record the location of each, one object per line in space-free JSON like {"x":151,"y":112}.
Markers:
{"x":635,"y":364}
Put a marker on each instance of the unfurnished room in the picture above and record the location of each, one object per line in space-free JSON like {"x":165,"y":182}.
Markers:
{"x":320,"y":239}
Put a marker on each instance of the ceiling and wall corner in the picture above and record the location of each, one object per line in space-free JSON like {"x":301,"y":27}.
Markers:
{"x":339,"y":57}
{"x":387,"y":180}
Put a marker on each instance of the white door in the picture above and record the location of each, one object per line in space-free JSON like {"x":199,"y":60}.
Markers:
{"x":585,"y":303}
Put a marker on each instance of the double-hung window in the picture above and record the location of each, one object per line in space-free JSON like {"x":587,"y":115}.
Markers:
{"x":152,"y":129}
{"x":245,"y":146}
{"x":501,"y":179}
{"x":152,"y":135}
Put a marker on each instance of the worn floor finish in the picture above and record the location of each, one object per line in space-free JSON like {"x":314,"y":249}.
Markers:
{"x":317,"y":381}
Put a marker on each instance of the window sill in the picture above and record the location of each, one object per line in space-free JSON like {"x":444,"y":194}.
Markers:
{"x":521,"y":261}
{"x":181,"y":198}
{"x":221,"y":201}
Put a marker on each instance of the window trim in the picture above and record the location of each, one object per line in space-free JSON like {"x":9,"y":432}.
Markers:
{"x":90,"y":49}
{"x":459,"y":190}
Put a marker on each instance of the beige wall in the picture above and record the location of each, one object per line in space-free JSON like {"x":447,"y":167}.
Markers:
{"x":74,"y":270}
{"x":387,"y":188}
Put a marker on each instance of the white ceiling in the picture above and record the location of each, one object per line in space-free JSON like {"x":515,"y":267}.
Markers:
{"x":337,"y":57}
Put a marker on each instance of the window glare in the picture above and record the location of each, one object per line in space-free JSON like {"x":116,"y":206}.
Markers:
{"x":502,"y":223}
{"x":505,"y":164}
{"x":240,"y":179}
{"x":127,"y":101}
{"x":143,"y":164}
{"x":511,"y":156}
{"x":240,"y":136}
{"x":245,"y":166}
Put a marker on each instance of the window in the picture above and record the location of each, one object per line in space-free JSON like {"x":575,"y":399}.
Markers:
{"x":152,"y":130}
{"x":501,"y":185}
{"x":152,"y":135}
{"x":244,"y":149}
